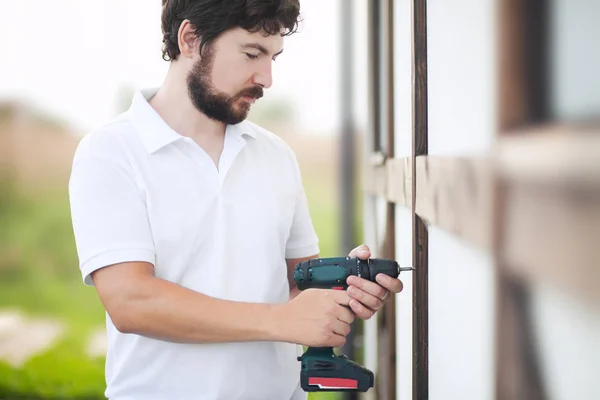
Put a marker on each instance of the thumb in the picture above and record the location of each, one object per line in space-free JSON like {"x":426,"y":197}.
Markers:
{"x":361,"y":251}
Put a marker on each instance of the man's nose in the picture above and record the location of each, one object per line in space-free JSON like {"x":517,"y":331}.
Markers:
{"x":264,"y":77}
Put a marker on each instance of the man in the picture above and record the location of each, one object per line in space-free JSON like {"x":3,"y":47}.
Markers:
{"x":189,"y":220}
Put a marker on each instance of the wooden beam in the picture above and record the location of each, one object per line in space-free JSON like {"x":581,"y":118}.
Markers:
{"x":558,"y":155}
{"x":552,"y":205}
{"x":375,"y":181}
{"x":551,"y":178}
{"x":523,"y":43}
{"x":390,"y":179}
{"x":523,"y":59}
{"x":454,"y":193}
{"x":552,"y":236}
{"x":419,"y":229}
{"x":399,"y":181}
{"x":518,"y":375}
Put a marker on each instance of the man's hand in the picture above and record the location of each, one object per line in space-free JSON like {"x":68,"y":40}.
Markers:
{"x":368,"y":297}
{"x":315,"y":318}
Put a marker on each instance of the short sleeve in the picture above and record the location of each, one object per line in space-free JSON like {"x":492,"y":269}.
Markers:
{"x":303,"y":240}
{"x":109,"y":217}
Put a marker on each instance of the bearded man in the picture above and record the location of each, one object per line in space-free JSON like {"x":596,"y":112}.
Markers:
{"x":189,"y":220}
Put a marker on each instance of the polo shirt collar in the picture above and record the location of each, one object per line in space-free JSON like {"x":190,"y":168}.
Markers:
{"x":156,"y":133}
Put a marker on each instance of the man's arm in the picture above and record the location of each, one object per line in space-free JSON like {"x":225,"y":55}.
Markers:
{"x":142,"y":304}
{"x":291,"y":264}
{"x":138,"y":302}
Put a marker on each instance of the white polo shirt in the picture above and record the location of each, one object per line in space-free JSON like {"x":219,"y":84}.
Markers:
{"x":139,"y":191}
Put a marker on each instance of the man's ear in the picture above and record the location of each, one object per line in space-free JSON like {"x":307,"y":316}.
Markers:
{"x":187,"y":40}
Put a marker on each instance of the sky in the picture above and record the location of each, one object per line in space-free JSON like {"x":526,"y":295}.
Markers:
{"x":71,"y":58}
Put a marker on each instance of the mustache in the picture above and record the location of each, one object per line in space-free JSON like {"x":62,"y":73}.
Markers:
{"x":255,"y":91}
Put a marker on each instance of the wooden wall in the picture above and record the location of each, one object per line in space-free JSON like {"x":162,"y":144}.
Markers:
{"x":483,"y":171}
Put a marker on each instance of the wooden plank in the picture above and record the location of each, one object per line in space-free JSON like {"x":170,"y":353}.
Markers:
{"x":552,"y":236}
{"x":375,"y":180}
{"x":522,"y":47}
{"x":523,"y":51}
{"x":560,"y":155}
{"x":454,"y":193}
{"x":399,"y":181}
{"x":374,"y":92}
{"x":552,"y":217}
{"x":390,"y":179}
{"x":512,"y":104}
{"x":518,"y":372}
{"x":420,"y":234}
{"x":551,"y":220}
{"x":551,"y":207}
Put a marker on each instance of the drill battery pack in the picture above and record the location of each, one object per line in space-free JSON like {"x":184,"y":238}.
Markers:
{"x":322,"y":371}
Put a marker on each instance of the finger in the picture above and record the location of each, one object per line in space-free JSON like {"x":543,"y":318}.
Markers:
{"x":372,"y":302}
{"x":363,"y":252}
{"x":361,"y":311}
{"x":345,"y":315}
{"x":391,"y":284}
{"x":367,"y":286}
{"x":341,"y":328}
{"x":339,"y":296}
{"x":387,"y":295}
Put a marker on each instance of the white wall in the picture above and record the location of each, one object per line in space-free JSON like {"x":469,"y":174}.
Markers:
{"x":462,"y":76}
{"x":568,"y":340}
{"x":575,"y":57}
{"x":402,"y":148}
{"x":461,"y":319}
{"x":462,"y":112}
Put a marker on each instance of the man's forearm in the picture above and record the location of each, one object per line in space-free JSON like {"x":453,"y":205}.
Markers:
{"x":166,"y":311}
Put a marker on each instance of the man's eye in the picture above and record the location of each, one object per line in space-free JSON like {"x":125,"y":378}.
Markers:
{"x":251,"y":56}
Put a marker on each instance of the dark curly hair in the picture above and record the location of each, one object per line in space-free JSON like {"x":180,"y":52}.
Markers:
{"x":210,"y":18}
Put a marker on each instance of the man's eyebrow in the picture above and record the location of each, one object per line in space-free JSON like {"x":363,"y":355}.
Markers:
{"x":260,"y":48}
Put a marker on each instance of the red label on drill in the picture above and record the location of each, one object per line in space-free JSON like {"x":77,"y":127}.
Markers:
{"x":333,"y":383}
{"x":338,"y":288}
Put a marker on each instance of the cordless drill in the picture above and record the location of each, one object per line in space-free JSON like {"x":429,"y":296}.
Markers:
{"x":321,"y":370}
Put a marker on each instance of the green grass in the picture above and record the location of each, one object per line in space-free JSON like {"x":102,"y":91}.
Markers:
{"x":39,"y":276}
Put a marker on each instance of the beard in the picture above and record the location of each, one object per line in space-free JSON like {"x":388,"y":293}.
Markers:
{"x":213,"y":103}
